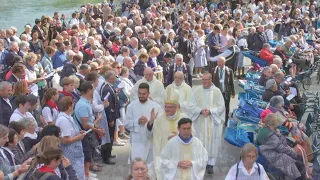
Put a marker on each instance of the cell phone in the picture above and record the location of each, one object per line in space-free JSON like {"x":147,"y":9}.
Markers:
{"x":88,"y":131}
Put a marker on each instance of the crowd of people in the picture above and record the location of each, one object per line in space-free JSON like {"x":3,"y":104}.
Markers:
{"x":71,"y":90}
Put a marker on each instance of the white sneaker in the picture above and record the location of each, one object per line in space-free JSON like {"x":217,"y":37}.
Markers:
{"x":118,"y":143}
{"x":122,"y":140}
{"x":92,"y":178}
{"x":124,"y":136}
{"x":92,"y":175}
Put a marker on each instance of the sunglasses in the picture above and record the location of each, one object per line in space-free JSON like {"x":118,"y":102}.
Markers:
{"x":118,"y":67}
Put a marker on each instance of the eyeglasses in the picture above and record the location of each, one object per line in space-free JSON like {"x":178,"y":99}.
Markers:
{"x":119,"y":67}
{"x":139,"y":169}
{"x":251,"y":157}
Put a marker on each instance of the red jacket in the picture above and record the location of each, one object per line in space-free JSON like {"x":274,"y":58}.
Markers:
{"x":266,"y":55}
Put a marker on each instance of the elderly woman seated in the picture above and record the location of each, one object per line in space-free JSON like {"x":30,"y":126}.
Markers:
{"x":274,"y":69}
{"x":270,"y":90}
{"x":274,"y":148}
{"x":265,"y":76}
{"x":247,"y":168}
{"x":277,"y":106}
{"x":288,"y":66}
{"x":266,"y":54}
{"x":300,"y":58}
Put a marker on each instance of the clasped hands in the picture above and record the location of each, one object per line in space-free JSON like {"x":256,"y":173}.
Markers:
{"x":185,"y":164}
{"x":205,"y":112}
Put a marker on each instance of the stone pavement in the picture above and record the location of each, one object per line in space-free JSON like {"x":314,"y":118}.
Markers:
{"x":229,"y":154}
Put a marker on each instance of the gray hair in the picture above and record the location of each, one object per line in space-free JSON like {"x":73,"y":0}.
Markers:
{"x":98,"y":53}
{"x":123,"y":71}
{"x":277,"y":75}
{"x":277,"y":60}
{"x":271,"y":120}
{"x":127,"y":31}
{"x":109,"y":74}
{"x":178,"y":56}
{"x":277,"y":101}
{"x":70,"y":54}
{"x":84,"y":67}
{"x":4,"y":131}
{"x":27,"y":121}
{"x":246,"y":149}
{"x":13,"y":43}
{"x":124,"y":49}
{"x":265,"y":69}
{"x":4,"y":84}
{"x":266,"y":45}
{"x":138,"y":159}
{"x":24,"y":45}
{"x":270,"y":84}
{"x":126,"y":59}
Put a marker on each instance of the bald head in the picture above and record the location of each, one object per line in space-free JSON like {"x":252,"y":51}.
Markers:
{"x":148,"y":74}
{"x":178,"y":78}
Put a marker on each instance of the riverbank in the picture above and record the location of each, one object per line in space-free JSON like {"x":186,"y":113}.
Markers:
{"x":20,"y":12}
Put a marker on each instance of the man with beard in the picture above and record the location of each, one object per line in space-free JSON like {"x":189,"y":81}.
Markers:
{"x":139,"y":113}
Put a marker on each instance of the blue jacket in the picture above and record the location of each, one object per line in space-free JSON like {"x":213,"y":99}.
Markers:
{"x":58,"y":59}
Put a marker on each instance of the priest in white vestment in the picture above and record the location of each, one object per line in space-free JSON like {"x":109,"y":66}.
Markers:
{"x":186,"y":97}
{"x":183,"y":157}
{"x":156,"y":87}
{"x":164,"y":127}
{"x":209,"y":117}
{"x":139,"y":112}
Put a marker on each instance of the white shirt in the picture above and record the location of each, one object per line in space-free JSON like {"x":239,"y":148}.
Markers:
{"x":47,"y":114}
{"x":63,"y":121}
{"x":269,"y":34}
{"x":222,"y":78}
{"x":225,"y":53}
{"x":17,"y":116}
{"x":233,"y":171}
{"x":119,"y":59}
{"x":31,"y":76}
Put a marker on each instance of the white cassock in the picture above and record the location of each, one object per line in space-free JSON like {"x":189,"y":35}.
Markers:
{"x":209,"y":129}
{"x":163,"y":127}
{"x":175,"y":151}
{"x":141,"y":143}
{"x":156,"y":90}
{"x":186,"y":97}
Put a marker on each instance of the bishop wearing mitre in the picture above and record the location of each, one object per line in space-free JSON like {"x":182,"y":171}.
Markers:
{"x":164,"y":127}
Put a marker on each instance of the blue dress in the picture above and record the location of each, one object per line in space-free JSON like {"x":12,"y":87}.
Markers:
{"x":73,"y":151}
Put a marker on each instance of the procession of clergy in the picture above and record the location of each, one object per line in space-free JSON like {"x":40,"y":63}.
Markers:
{"x":152,"y":117}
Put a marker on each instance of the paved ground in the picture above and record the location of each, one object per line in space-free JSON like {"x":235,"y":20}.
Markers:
{"x":228,"y":157}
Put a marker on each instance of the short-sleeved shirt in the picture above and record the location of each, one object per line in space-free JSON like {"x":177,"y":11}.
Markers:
{"x":49,"y":115}
{"x":67,"y":125}
{"x":83,"y":109}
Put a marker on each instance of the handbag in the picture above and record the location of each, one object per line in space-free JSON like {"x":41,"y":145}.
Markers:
{"x":90,"y":138}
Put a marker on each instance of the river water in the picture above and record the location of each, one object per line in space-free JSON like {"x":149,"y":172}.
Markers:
{"x":20,"y":12}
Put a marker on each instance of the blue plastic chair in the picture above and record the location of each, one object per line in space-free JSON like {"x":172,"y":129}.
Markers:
{"x":254,"y":58}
